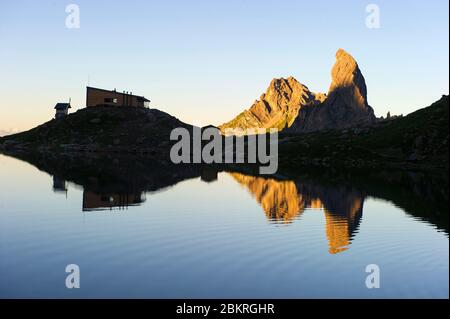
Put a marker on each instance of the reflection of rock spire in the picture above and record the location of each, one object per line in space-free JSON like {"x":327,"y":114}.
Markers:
{"x":285,"y":200}
{"x":340,"y":227}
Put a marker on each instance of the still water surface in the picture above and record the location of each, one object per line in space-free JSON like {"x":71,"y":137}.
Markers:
{"x":217,"y":235}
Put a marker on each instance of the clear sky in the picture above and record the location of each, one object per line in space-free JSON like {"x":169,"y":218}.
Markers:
{"x":206,"y":61}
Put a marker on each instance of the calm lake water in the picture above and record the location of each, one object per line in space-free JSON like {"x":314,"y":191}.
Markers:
{"x":160,"y":233}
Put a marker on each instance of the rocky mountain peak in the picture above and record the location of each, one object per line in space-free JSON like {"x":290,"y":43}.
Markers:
{"x":277,"y":107}
{"x":284,"y":94}
{"x":288,"y":104}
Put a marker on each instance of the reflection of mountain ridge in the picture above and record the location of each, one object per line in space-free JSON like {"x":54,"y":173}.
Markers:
{"x":282,"y":197}
{"x":106,"y":173}
{"x":279,"y":199}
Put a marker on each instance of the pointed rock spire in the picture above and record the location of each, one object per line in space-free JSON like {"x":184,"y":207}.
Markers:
{"x":346,"y":103}
{"x":348,"y":86}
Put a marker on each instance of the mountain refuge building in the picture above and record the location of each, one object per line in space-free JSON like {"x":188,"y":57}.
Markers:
{"x":96,"y":97}
{"x":100,"y":97}
{"x":62,"y":109}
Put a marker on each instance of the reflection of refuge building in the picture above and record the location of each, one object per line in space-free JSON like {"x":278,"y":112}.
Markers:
{"x":59,"y":184}
{"x":96,"y":201}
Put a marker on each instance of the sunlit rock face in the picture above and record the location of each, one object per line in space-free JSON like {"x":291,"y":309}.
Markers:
{"x":283,"y":201}
{"x":277,"y":107}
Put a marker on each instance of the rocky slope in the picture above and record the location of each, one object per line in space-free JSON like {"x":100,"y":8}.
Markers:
{"x":288,"y":104}
{"x":278,"y":107}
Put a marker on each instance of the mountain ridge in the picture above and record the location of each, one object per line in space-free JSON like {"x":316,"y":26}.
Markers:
{"x":277,"y":107}
{"x":289,"y":105}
